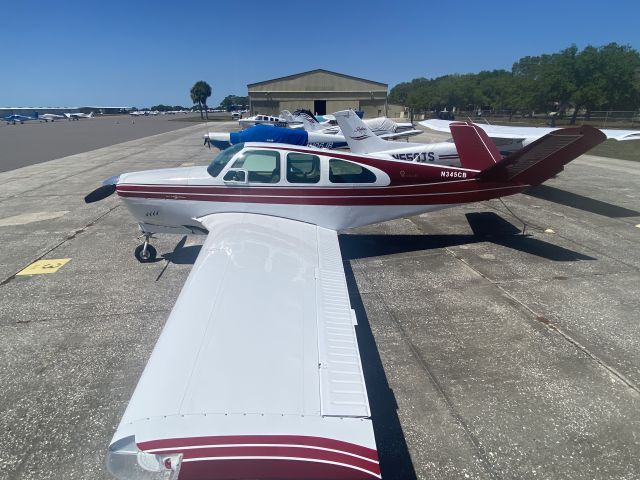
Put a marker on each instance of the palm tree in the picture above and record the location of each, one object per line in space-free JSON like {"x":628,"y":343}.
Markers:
{"x":200,"y":91}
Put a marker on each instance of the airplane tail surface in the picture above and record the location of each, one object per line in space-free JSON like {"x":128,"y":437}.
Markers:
{"x":90,"y":115}
{"x":309,"y":122}
{"x":476,"y":150}
{"x":360,"y":137}
{"x":530,"y":165}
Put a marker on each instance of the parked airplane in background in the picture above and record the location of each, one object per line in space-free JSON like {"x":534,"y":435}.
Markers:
{"x":382,"y":126}
{"x":273,"y":134}
{"x":509,"y":139}
{"x":262,"y":119}
{"x":51,"y":117}
{"x":257,"y":372}
{"x":16,"y":118}
{"x":78,"y":116}
{"x":362,"y":140}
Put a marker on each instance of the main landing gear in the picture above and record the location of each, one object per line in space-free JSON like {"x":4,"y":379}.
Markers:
{"x":145,"y":253}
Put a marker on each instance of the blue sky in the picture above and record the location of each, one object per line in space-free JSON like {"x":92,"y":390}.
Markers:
{"x":140,"y":53}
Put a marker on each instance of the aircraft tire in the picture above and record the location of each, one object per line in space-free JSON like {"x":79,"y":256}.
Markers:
{"x":150,"y":257}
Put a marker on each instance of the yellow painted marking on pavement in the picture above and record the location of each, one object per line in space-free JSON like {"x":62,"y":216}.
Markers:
{"x":44,"y":266}
{"x":548,"y":230}
{"x":187,"y":164}
{"x":638,"y":225}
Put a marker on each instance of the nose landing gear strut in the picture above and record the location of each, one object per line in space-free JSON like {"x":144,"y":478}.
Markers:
{"x":145,"y":253}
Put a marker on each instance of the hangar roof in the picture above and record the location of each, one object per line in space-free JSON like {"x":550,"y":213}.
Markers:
{"x":318,"y":80}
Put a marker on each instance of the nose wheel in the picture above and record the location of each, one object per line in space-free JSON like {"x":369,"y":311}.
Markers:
{"x":145,"y":253}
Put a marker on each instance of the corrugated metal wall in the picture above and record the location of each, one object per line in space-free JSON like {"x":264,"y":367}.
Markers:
{"x":300,"y":91}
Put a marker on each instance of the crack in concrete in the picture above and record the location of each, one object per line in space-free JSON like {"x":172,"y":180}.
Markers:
{"x":77,"y":317}
{"x":554,"y":326}
{"x":542,"y":229}
{"x":484,"y":458}
{"x":69,"y":236}
{"x":551,"y":325}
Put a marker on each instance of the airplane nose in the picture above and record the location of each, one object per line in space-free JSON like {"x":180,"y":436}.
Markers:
{"x":108,"y":188}
{"x":219,"y":140}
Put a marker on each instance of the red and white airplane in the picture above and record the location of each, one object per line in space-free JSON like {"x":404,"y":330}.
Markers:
{"x":257,"y":372}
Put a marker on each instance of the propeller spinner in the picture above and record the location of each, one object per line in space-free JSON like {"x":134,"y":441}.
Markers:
{"x":100,"y":193}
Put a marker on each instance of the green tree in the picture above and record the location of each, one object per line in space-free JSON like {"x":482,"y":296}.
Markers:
{"x":231,"y":101}
{"x":200,"y":91}
{"x":606,"y":77}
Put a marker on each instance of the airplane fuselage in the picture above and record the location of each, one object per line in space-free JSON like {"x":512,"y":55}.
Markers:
{"x":442,"y":153}
{"x":346,"y":190}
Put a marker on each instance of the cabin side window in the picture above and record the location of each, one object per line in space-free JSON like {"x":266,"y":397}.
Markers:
{"x":262,"y":166}
{"x":341,"y":171}
{"x":303,"y":168}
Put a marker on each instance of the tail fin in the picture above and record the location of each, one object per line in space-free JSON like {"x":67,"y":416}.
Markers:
{"x":301,"y":112}
{"x":358,"y":135}
{"x":309,"y":122}
{"x":476,"y":150}
{"x":545,"y":157}
{"x":90,"y":115}
{"x":286,"y":114}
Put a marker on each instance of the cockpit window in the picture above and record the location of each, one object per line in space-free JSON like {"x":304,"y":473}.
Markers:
{"x":222,"y":159}
{"x":263,"y":166}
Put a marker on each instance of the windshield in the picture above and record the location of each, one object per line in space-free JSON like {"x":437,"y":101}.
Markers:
{"x":222,"y":159}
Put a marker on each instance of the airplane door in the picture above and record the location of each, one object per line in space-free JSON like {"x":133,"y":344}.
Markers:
{"x":320,"y":107}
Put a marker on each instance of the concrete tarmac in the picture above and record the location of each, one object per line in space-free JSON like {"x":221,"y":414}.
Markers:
{"x":38,"y":141}
{"x":488,"y":353}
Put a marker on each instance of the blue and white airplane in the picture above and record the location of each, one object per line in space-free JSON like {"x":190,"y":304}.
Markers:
{"x":272,"y":134}
{"x":14,"y":118}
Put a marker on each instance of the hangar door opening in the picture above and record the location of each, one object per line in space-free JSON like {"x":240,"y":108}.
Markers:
{"x":320,"y":107}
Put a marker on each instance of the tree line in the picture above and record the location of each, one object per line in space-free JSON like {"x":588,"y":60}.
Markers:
{"x":596,"y":78}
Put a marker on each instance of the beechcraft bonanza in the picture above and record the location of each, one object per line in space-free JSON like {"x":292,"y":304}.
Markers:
{"x":257,"y":372}
{"x":78,"y":115}
{"x":509,"y":139}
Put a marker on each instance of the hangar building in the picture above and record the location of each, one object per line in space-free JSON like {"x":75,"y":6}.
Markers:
{"x":320,"y":91}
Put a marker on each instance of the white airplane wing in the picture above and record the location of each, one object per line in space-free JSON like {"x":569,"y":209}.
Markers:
{"x":501,"y":131}
{"x":403,"y":134}
{"x":257,"y":371}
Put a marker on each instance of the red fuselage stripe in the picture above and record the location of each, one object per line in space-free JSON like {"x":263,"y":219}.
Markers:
{"x":338,"y":198}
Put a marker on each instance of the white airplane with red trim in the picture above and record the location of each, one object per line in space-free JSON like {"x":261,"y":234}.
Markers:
{"x":257,"y":372}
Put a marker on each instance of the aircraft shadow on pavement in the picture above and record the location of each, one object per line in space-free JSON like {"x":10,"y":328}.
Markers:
{"x":486,"y":226}
{"x":556,"y":195}
{"x":182,"y":255}
{"x":395,"y":461}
